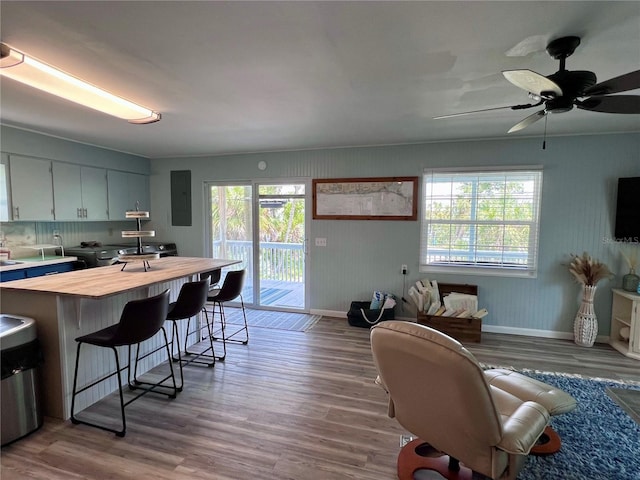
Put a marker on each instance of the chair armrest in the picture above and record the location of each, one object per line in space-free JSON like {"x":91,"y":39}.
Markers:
{"x":523,"y":427}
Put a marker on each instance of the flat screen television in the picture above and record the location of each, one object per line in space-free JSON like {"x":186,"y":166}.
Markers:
{"x":628,"y":210}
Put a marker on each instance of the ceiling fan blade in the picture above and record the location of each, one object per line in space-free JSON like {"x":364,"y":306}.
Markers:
{"x":611,"y":104}
{"x":527,"y":121}
{"x":512,"y":107}
{"x":628,"y":81}
{"x":533,"y":82}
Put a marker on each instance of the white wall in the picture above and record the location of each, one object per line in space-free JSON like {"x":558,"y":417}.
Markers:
{"x":23,"y":142}
{"x":580,"y":175}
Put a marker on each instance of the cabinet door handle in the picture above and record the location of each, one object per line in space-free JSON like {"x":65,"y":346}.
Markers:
{"x":85,"y":213}
{"x":17,"y":212}
{"x":77,"y":213}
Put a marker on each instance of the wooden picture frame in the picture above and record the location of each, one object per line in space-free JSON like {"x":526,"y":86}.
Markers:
{"x":378,"y":198}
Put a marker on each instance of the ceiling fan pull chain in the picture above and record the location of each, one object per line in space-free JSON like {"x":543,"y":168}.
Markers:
{"x":544,"y":136}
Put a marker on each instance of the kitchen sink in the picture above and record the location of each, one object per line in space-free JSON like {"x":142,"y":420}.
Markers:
{"x":6,"y":263}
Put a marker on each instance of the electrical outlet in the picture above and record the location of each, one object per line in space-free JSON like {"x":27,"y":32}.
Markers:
{"x":321,"y":242}
{"x":404,"y":269}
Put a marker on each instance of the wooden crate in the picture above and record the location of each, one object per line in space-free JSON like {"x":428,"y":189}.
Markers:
{"x":462,"y":329}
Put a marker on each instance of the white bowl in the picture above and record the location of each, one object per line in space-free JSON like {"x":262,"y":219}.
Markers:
{"x":624,"y":333}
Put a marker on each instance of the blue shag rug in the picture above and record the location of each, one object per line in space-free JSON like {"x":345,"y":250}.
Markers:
{"x":600,"y":441}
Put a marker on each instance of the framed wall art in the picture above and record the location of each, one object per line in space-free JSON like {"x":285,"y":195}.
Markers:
{"x":380,"y":198}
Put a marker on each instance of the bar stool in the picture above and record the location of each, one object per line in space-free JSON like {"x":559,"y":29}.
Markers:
{"x":230,"y":290}
{"x":140,"y":320}
{"x":213,"y":276}
{"x":190,"y":302}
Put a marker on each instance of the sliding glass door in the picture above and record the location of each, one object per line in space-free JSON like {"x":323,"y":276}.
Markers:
{"x":281,"y":254}
{"x":264,"y":226}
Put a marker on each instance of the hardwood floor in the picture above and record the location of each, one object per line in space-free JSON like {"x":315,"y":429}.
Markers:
{"x":290,"y":405}
{"x":553,"y":355}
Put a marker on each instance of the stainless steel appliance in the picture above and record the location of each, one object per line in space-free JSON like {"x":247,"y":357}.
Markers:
{"x":97,"y":255}
{"x":21,"y":357}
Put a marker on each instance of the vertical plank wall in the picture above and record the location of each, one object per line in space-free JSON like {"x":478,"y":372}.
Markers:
{"x":578,"y":208}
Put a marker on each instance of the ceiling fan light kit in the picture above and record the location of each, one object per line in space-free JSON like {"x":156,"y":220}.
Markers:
{"x":561,"y":91}
{"x":34,"y":73}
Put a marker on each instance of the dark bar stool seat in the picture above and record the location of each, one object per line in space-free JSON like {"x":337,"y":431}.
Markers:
{"x":213,"y":276}
{"x":230,"y":290}
{"x":190,"y":302}
{"x":140,"y":320}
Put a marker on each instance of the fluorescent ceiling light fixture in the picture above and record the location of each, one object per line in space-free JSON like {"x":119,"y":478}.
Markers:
{"x":21,"y":68}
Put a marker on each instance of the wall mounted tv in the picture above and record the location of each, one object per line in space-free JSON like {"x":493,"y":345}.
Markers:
{"x":628,"y":210}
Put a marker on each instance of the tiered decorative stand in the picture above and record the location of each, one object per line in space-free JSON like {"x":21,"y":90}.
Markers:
{"x":139,"y":234}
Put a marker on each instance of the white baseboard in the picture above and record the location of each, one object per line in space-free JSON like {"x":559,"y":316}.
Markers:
{"x":329,"y":313}
{"x":531,"y":332}
{"x":528,"y":332}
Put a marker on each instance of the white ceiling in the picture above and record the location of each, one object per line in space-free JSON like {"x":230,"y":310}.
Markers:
{"x":259,"y":76}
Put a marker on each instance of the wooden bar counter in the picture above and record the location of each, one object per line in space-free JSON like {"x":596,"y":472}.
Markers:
{"x":72,"y":304}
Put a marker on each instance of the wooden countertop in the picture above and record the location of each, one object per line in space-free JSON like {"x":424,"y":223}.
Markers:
{"x":105,"y":281}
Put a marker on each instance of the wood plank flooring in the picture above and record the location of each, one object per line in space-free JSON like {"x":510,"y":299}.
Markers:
{"x":290,"y":405}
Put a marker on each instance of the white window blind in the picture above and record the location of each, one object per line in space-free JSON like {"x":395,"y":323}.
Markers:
{"x":481,"y":221}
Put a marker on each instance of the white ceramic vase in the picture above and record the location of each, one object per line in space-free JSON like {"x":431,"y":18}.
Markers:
{"x":585,"y":326}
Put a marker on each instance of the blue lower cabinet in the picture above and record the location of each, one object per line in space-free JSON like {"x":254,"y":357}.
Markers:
{"x":13,"y":275}
{"x":35,"y":271}
{"x":48,"y":270}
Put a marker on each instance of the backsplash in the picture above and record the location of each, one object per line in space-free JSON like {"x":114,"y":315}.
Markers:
{"x":14,"y":235}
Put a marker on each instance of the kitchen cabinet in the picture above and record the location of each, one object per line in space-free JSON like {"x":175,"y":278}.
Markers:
{"x":94,"y":193}
{"x":48,"y":269}
{"x":31,"y":188}
{"x":4,"y":190}
{"x":46,"y":190}
{"x":80,"y":192}
{"x":32,"y":270}
{"x":625,"y":323}
{"x":13,"y":275}
{"x":125,"y":189}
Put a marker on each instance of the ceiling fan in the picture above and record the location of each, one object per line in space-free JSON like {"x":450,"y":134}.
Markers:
{"x":561,"y":91}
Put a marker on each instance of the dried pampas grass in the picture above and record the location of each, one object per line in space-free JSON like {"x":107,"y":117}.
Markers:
{"x":587,"y":270}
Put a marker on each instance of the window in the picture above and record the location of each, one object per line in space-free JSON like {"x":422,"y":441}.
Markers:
{"x":481,"y":221}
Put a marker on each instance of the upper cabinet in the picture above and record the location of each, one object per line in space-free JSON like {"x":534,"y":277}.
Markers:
{"x":126,"y":191}
{"x":4,"y":190}
{"x":49,"y":190}
{"x":80,"y":193}
{"x":67,"y":194}
{"x":31,"y":188}
{"x":94,"y":193}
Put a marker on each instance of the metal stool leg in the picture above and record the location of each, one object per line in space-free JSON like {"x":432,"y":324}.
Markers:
{"x":245,"y":328}
{"x":204,"y":354}
{"x":174,"y":334}
{"x":75,"y":420}
{"x":134,"y":383}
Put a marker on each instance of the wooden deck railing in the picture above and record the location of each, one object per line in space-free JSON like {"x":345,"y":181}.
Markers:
{"x":278,"y":261}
